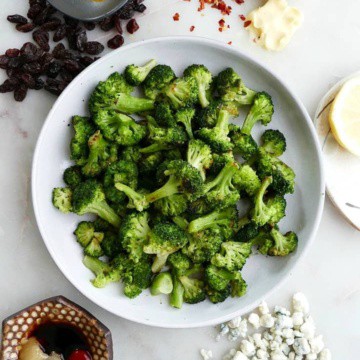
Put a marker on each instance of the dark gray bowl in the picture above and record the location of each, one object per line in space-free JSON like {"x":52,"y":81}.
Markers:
{"x":87,"y":10}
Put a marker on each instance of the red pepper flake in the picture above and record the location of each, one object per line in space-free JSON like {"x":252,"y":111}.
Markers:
{"x":247,"y":23}
{"x":216,"y":4}
{"x":239,"y":1}
{"x":222,"y":22}
{"x":230,"y":43}
{"x":176,"y":17}
{"x":242,"y":17}
{"x":192,"y":28}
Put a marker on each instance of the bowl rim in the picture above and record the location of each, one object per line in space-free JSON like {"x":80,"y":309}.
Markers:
{"x":219,"y":46}
{"x":93,"y":18}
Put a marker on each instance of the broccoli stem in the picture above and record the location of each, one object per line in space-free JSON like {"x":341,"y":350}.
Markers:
{"x":223,"y":180}
{"x":139,"y":200}
{"x":181,"y":222}
{"x":250,"y":120}
{"x":155,"y":148}
{"x":162,"y":284}
{"x":259,"y":198}
{"x":199,"y":224}
{"x":188,"y":129}
{"x":170,"y":188}
{"x":103,"y":210}
{"x":204,"y":102}
{"x":95,"y":265}
{"x":223,"y":121}
{"x":159,"y":262}
{"x":177,"y":295}
{"x":129,"y":104}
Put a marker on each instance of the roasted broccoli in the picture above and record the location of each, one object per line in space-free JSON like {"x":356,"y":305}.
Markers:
{"x":273,"y":142}
{"x":219,"y":278}
{"x":217,"y":296}
{"x":135,"y":74}
{"x":167,"y":136}
{"x":120,"y":128}
{"x":184,"y":116}
{"x":73,"y":176}
{"x":162,"y":284}
{"x":164,"y":114}
{"x":156,"y":81}
{"x":246,"y":180}
{"x":62,"y":199}
{"x":282,"y":244}
{"x":164,"y":239}
{"x":203,"y":78}
{"x":111,"y":244}
{"x":182,"y":92}
{"x":244,"y":144}
{"x":219,"y":161}
{"x":89,"y":197}
{"x":172,"y":205}
{"x":199,"y":156}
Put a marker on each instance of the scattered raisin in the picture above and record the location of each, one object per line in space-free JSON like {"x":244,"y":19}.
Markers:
{"x":66,"y":75}
{"x":28,"y":80}
{"x":132,"y":26}
{"x":107,"y":24}
{"x":140,"y":8}
{"x":60,"y":33}
{"x":41,"y":37}
{"x":28,"y":49}
{"x":33,"y":68}
{"x":20,"y":93}
{"x":15,"y":62}
{"x":51,"y":25}
{"x":17,"y":19}
{"x":57,"y":50}
{"x":25,"y":28}
{"x":89,"y":25}
{"x":34,"y":11}
{"x":126,"y":12}
{"x":54,"y":69}
{"x":116,"y":42}
{"x":11,"y":53}
{"x":71,"y":65}
{"x":39,"y":84}
{"x":81,"y":39}
{"x":93,"y":48}
{"x":117,"y":23}
{"x":8,"y":85}
{"x":4,"y":60}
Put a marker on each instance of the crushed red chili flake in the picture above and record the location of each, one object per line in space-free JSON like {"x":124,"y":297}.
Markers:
{"x":216,"y":4}
{"x":176,"y":17}
{"x":247,"y":23}
{"x":230,"y":43}
{"x":242,"y":17}
{"x":239,"y":1}
{"x":192,"y":28}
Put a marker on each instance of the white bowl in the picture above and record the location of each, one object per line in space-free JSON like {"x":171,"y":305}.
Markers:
{"x":262,"y":274}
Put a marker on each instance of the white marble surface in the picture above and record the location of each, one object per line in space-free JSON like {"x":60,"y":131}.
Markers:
{"x":325,"y":49}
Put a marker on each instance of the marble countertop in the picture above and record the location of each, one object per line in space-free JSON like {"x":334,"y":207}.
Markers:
{"x":325,"y":49}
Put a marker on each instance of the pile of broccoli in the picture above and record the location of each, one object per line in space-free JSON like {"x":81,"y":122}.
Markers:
{"x":164,"y":173}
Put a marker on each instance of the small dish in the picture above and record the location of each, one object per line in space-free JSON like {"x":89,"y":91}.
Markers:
{"x":17,"y":327}
{"x":87,"y":10}
{"x":341,"y":167}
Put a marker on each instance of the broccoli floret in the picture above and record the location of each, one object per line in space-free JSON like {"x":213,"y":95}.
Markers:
{"x":89,"y":197}
{"x":83,"y":128}
{"x":182,"y":92}
{"x":133,"y":234}
{"x":149,"y":163}
{"x":273,"y":142}
{"x":199,"y":207}
{"x":238,"y":287}
{"x":120,"y":128}
{"x":162,"y":284}
{"x":101,"y":154}
{"x":137,"y":278}
{"x":199,"y":156}
{"x":179,"y":261}
{"x":247,"y":232}
{"x":111,"y":245}
{"x":155,"y":148}
{"x":85,"y":232}
{"x":94,"y":248}
{"x":104,"y":274}
{"x":102,"y":225}
{"x":246,"y":180}
{"x":219,"y":161}
{"x":164,"y":239}
{"x":183,"y":179}
{"x":203,"y":78}
{"x":231,"y":88}
{"x":217,"y":296}
{"x":283,"y":176}
{"x":217,"y":137}
{"x":204,"y":245}
{"x":181,"y":222}
{"x":282,"y":244}
{"x":164,"y":114}
{"x":170,"y":136}
{"x":62,"y":199}
{"x":221,"y":191}
{"x":73,"y":176}
{"x":185,"y":116}
{"x":194,"y":288}
{"x":262,"y":110}
{"x":244,"y":144}
{"x":135,"y":75}
{"x":267,"y":211}
{"x":122,"y":171}
{"x":130,"y":153}
{"x":177,"y":295}
{"x":232,"y":256}
{"x":172,"y":205}
{"x":158,"y":78}
{"x":223,"y":218}
{"x":173,"y":154}
{"x":220,"y":278}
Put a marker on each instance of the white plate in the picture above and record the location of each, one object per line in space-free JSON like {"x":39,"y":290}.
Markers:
{"x":263,"y":275}
{"x":341,"y":167}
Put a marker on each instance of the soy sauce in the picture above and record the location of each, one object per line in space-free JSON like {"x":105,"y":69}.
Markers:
{"x":62,"y":339}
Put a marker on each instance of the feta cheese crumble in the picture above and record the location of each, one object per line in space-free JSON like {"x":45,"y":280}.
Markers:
{"x":278,"y":335}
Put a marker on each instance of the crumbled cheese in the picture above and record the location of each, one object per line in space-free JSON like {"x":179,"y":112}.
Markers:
{"x":267,"y":321}
{"x":254,"y":320}
{"x":317,"y":344}
{"x":240,"y":356}
{"x":263,"y":308}
{"x":234,"y":323}
{"x":206,"y":354}
{"x":325,"y":355}
{"x":300,"y":303}
{"x":298,"y":318}
{"x":247,"y":348}
{"x":308,"y":328}
{"x":301,"y":346}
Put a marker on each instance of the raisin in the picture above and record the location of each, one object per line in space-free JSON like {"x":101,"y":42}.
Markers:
{"x":46,"y":60}
{"x":117,"y":23}
{"x":126,"y":12}
{"x":9,"y":85}
{"x":55,"y":86}
{"x":20,"y":93}
{"x":66,"y":75}
{"x":71,"y":65}
{"x":89,"y":25}
{"x":106,"y":24}
{"x":4,"y":60}
{"x":132,"y":26}
{"x":65,"y":54}
{"x":41,"y":37}
{"x":140,"y":8}
{"x":17,"y":19}
{"x":115,"y":42}
{"x":15,"y":62}
{"x":57,"y":50}
{"x":70,"y":21}
{"x":54,"y":69}
{"x":60,"y":33}
{"x":51,"y":25}
{"x":34,"y":11}
{"x":25,"y":28}
{"x":33,"y":68}
{"x":39,"y":84}
{"x":11,"y":53}
{"x":28,"y":49}
{"x":41,"y":3}
{"x":86,"y":60}
{"x":28,"y":80}
{"x":93,"y":48}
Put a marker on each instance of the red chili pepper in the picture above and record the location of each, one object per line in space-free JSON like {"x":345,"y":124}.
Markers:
{"x":247,"y":23}
{"x":192,"y":28}
{"x":242,"y":17}
{"x":176,"y":17}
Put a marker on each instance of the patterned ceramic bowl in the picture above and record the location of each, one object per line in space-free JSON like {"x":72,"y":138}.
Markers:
{"x":17,"y":327}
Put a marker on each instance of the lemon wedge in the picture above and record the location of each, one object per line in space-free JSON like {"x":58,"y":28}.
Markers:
{"x":344,"y":117}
